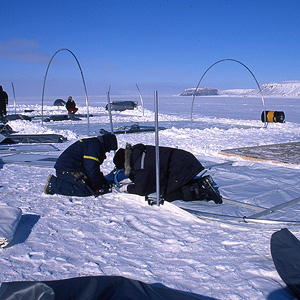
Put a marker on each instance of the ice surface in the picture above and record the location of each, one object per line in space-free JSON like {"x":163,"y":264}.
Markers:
{"x":119,"y":234}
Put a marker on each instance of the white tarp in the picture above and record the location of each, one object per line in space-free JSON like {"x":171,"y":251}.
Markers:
{"x":284,"y":152}
{"x":20,"y":148}
{"x":10,"y":217}
{"x":28,"y":158}
{"x":249,"y":188}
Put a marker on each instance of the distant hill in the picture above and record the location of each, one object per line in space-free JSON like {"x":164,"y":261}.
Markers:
{"x":280,"y":89}
{"x":284,"y":88}
{"x":201,"y":92}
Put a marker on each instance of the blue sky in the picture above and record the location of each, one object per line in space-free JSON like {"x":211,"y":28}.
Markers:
{"x":159,"y":45}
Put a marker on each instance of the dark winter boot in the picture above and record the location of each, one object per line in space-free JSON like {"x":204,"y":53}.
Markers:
{"x":192,"y":192}
{"x":207,"y":189}
{"x":48,"y":188}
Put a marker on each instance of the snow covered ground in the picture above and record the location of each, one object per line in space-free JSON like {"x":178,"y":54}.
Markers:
{"x":119,"y":234}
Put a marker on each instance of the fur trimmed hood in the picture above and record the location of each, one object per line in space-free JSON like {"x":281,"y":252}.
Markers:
{"x":127,"y":166}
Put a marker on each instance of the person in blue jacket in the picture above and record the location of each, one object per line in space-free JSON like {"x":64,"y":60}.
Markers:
{"x":78,"y":168}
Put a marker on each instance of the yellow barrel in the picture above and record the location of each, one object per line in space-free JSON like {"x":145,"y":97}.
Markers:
{"x":273,"y":116}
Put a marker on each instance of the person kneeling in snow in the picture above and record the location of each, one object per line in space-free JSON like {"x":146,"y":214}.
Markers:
{"x":178,"y":171}
{"x":71,"y":106}
{"x":78,"y":168}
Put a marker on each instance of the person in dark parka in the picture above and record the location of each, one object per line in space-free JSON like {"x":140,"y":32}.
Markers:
{"x":3,"y":102}
{"x":178,"y":174}
{"x":78,"y":168}
{"x":177,"y":169}
{"x":71,"y":106}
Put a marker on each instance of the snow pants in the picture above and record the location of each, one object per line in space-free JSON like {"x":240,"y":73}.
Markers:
{"x":72,"y":111}
{"x":3,"y":112}
{"x":66,"y":184}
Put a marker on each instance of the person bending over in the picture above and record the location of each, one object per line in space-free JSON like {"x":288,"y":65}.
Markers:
{"x":177,"y":173}
{"x":78,"y":168}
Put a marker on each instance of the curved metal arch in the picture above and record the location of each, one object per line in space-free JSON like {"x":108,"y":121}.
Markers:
{"x":234,"y":60}
{"x":85,"y":91}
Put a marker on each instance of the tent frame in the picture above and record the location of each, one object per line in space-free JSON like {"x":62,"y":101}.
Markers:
{"x":234,"y":60}
{"x":85,"y":90}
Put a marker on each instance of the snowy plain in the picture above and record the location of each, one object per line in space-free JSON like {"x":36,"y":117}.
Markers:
{"x":120,"y":234}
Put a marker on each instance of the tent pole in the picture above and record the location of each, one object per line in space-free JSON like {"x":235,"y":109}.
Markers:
{"x":83,"y":81}
{"x":234,"y":60}
{"x":12,"y":84}
{"x":109,"y":111}
{"x":156,"y":148}
{"x":142,"y":102}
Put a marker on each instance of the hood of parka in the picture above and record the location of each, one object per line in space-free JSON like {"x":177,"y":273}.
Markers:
{"x":109,"y":141}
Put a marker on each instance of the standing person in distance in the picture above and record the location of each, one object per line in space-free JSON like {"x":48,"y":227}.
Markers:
{"x":3,"y":102}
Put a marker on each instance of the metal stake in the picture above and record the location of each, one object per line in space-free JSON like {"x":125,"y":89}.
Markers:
{"x":156,"y":148}
{"x":12,"y":84}
{"x":142,"y":102}
{"x":109,"y":111}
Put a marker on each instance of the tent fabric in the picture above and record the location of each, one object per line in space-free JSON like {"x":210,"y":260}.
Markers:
{"x":285,"y":250}
{"x":5,"y":129}
{"x":10,"y":218}
{"x":33,"y":138}
{"x":281,"y":153}
{"x":17,"y":117}
{"x":75,"y":117}
{"x":135,"y":128}
{"x":92,"y":288}
{"x":20,"y":148}
{"x":59,"y":102}
{"x":122,"y":105}
{"x":29,"y":159}
{"x":56,"y":118}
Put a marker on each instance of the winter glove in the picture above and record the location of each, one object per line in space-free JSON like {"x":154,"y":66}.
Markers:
{"x":120,"y":189}
{"x":123,"y":188}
